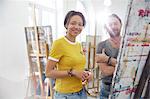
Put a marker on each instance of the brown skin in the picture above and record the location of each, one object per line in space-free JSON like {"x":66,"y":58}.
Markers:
{"x":74,"y":28}
{"x":106,"y":70}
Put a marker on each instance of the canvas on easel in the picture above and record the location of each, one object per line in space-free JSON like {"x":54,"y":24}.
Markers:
{"x":39,"y":41}
{"x":133,"y":51}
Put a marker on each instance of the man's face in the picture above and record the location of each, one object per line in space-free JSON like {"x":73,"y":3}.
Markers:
{"x":113,"y":26}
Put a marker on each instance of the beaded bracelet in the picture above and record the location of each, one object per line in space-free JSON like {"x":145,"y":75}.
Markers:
{"x":70,"y":72}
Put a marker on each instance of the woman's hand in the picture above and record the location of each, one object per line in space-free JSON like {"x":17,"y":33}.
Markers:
{"x":85,"y":76}
{"x":80,"y":74}
{"x":89,"y":77}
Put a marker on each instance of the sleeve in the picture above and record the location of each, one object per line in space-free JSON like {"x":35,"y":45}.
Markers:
{"x":100,"y":46}
{"x":56,"y":51}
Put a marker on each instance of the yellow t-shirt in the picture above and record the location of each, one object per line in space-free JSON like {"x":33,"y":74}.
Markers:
{"x":67,"y":55}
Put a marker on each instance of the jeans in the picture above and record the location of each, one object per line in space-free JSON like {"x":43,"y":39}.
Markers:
{"x":38,"y":89}
{"x":104,"y":91}
{"x":77,"y":95}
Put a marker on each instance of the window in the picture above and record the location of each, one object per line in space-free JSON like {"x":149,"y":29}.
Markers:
{"x":81,"y":8}
{"x":45,"y":12}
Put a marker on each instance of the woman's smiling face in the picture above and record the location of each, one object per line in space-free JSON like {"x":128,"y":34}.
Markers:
{"x":74,"y":25}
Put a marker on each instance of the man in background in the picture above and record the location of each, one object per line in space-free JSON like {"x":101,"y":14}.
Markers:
{"x":107,"y":52}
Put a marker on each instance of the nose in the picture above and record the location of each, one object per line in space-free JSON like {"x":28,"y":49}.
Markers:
{"x":77,"y":26}
{"x":113,"y":26}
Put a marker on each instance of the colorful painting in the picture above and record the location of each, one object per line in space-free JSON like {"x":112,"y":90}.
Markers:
{"x":134,"y":50}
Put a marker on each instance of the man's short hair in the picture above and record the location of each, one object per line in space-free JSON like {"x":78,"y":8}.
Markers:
{"x":115,"y":16}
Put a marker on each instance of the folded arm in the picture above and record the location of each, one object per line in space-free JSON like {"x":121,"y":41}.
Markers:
{"x":103,"y":58}
{"x":105,"y":69}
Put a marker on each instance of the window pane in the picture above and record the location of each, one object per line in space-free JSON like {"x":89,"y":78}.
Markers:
{"x":49,"y":18}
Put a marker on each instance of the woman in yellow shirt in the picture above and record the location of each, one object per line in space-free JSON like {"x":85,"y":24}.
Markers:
{"x":68,"y":58}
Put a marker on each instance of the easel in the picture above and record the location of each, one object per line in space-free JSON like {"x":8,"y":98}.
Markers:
{"x":49,"y":84}
{"x":93,"y":86}
{"x":133,"y":52}
{"x":38,"y":53}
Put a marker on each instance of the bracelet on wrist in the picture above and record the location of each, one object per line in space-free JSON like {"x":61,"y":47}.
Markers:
{"x":70,"y":72}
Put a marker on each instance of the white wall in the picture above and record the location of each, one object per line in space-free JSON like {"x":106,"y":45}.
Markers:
{"x":13,"y":59}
